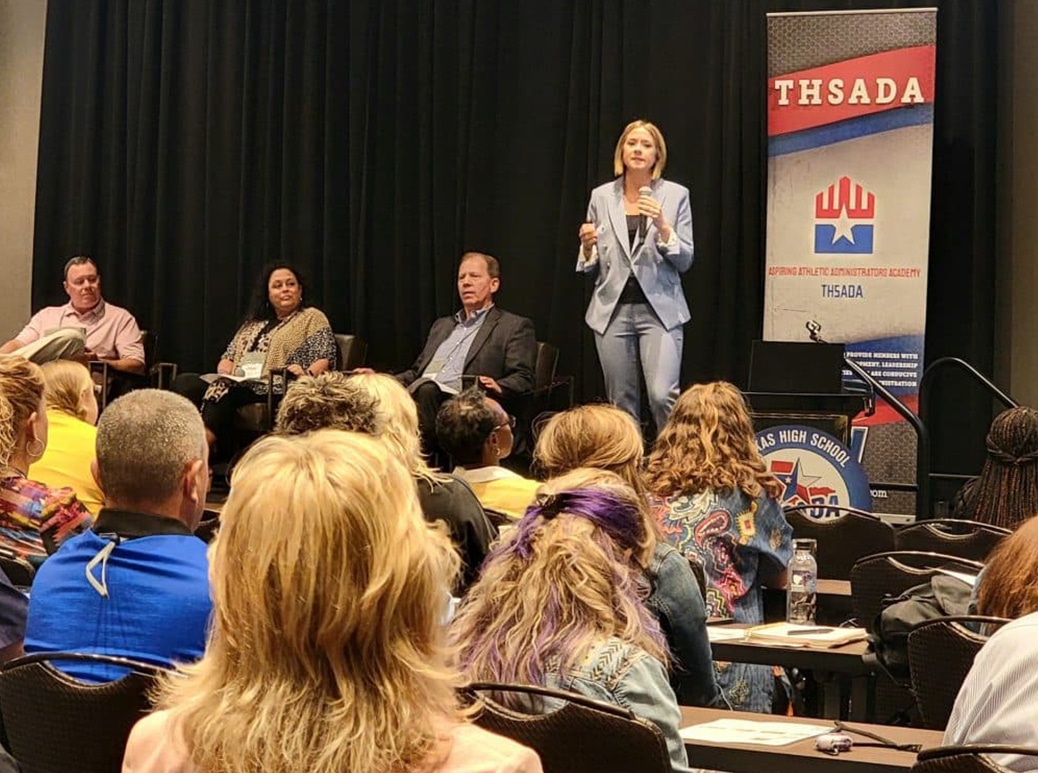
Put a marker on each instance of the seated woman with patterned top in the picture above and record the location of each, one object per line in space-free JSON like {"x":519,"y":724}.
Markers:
{"x":714,"y":500}
{"x":279,"y":331}
{"x":34,"y":518}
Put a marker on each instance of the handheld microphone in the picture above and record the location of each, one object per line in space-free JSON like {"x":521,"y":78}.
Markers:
{"x":643,"y":227}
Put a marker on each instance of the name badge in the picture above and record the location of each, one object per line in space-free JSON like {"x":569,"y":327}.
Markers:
{"x":251,"y":364}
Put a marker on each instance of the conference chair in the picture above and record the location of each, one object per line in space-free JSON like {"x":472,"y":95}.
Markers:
{"x":951,"y":536}
{"x":57,"y":724}
{"x":19,"y":571}
{"x":549,"y":392}
{"x":353,"y":351}
{"x":844,"y":537}
{"x":940,"y":654}
{"x":113,"y":383}
{"x":878,"y":578}
{"x":970,"y":758}
{"x":581,"y":736}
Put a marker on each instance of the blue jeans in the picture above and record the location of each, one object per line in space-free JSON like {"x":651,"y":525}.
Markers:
{"x":636,"y":337}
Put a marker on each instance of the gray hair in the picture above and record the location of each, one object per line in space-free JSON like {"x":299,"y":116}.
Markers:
{"x":145,"y":439}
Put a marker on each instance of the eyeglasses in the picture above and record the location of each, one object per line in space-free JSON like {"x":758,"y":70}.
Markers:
{"x":509,"y":422}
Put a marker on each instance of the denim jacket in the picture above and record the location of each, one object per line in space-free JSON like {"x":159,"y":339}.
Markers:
{"x":625,"y":675}
{"x":678,"y":605}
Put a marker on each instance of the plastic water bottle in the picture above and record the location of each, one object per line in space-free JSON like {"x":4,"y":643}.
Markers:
{"x":803,"y":577}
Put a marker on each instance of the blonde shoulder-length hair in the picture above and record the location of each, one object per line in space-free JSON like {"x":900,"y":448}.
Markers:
{"x":67,"y":383}
{"x":326,"y":650}
{"x":398,"y":418}
{"x":709,"y":443}
{"x":657,"y":138}
{"x":602,"y":437}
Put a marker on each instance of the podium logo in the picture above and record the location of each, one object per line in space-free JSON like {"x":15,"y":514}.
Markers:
{"x":844,"y":219}
{"x":815,"y":469}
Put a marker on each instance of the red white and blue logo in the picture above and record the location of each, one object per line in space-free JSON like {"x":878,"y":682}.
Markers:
{"x":845,"y":215}
{"x":815,"y":469}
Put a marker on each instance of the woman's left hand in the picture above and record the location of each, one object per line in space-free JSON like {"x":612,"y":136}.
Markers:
{"x":296,"y":370}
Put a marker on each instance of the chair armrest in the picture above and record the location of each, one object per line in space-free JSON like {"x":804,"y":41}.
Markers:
{"x":101,"y":367}
{"x":271,"y":375}
{"x":163,"y":373}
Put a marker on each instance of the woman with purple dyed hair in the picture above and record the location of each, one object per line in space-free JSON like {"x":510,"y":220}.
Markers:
{"x":559,"y":603}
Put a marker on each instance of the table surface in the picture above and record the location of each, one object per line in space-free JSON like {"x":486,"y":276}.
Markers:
{"x":802,"y":757}
{"x":846,"y":659}
{"x":833,"y":599}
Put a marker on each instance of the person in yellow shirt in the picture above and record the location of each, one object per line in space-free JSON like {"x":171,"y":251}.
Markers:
{"x":71,"y":414}
{"x":477,"y":434}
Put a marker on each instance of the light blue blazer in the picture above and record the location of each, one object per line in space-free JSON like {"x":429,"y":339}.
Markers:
{"x":657,"y":267}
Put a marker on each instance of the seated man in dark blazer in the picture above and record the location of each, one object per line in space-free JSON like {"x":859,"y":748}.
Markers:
{"x":481,"y":342}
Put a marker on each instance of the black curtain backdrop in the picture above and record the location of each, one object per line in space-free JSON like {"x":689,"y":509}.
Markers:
{"x":372,"y":142}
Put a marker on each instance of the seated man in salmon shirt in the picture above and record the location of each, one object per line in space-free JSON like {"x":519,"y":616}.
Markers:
{"x":86,"y":328}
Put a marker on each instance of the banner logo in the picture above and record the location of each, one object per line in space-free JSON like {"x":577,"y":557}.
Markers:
{"x":815,"y":469}
{"x":845,"y":214}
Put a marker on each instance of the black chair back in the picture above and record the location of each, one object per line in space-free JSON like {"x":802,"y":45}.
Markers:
{"x":970,"y":758}
{"x":940,"y":654}
{"x":951,"y":536}
{"x":353,"y":351}
{"x":842,"y":539}
{"x":19,"y":571}
{"x":874,"y":579}
{"x":584,"y":736}
{"x":56,"y":724}
{"x":546,"y":365}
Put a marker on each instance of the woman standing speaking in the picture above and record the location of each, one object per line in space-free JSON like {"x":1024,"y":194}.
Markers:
{"x":638,"y":236}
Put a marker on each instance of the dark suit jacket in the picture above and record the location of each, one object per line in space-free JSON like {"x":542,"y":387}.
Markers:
{"x":505,"y":348}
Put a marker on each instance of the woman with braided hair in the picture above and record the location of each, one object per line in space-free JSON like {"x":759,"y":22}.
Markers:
{"x":1006,"y":493}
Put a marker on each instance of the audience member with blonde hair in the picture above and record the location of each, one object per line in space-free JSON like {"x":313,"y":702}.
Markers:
{"x":34,"y":518}
{"x":605,"y":438}
{"x":714,"y":499}
{"x":1006,"y":492}
{"x":326,"y":652}
{"x":378,"y":404}
{"x":71,"y":434}
{"x":331,"y":400}
{"x":560,"y":604}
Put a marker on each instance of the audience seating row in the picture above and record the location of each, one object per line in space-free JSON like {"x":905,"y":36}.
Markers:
{"x":853,"y":534}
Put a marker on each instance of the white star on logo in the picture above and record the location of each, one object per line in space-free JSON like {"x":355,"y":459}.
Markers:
{"x":843,"y":227}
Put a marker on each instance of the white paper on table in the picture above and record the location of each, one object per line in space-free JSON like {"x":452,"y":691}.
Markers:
{"x":725,"y":634}
{"x":746,"y":731}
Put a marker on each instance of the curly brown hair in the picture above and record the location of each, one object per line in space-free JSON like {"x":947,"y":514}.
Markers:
{"x":708,"y":443}
{"x":1009,"y":585}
